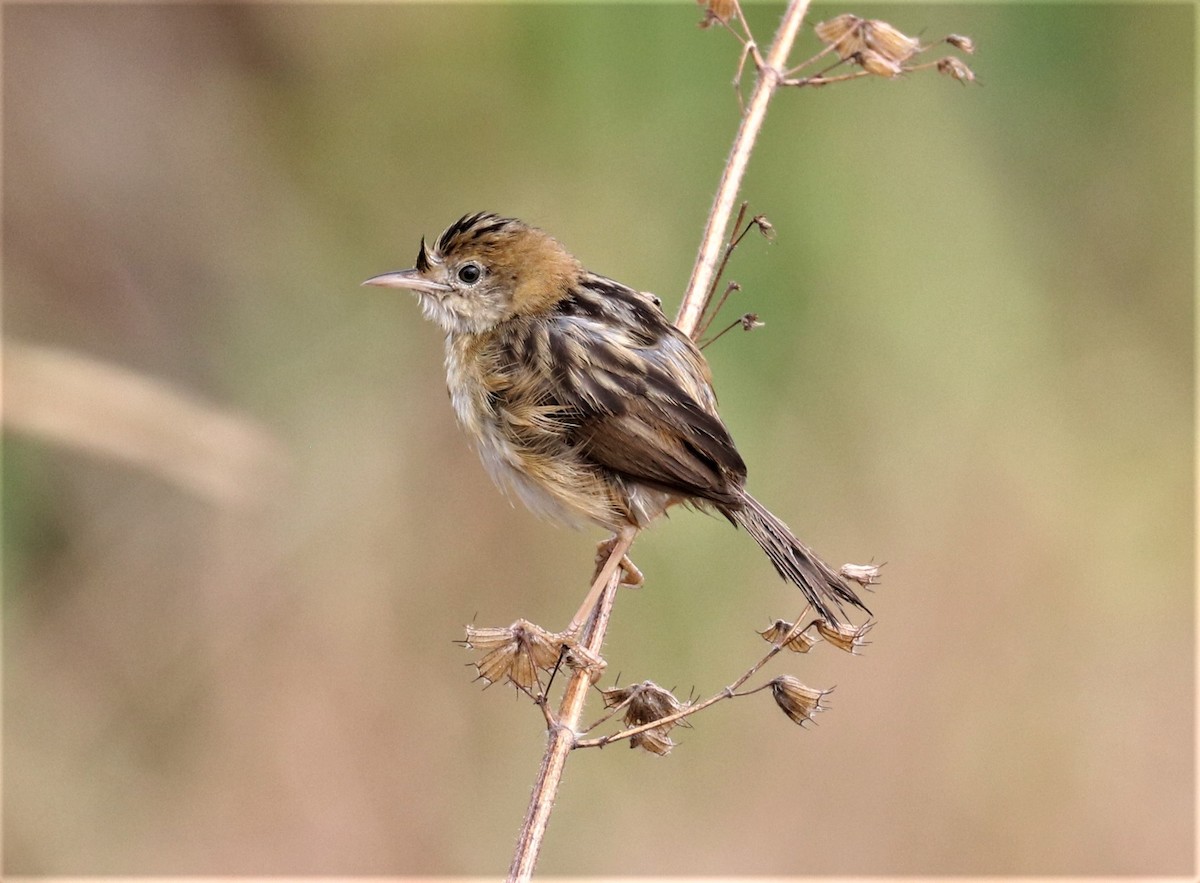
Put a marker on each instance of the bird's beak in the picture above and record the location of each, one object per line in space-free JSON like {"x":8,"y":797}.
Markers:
{"x":410,"y":279}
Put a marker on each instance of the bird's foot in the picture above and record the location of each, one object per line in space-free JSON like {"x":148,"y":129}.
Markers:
{"x":631,"y":576}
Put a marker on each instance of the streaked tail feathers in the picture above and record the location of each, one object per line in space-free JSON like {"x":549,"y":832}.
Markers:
{"x":822,"y":586}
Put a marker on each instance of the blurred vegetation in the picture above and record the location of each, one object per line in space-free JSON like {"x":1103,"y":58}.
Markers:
{"x":977,"y":366}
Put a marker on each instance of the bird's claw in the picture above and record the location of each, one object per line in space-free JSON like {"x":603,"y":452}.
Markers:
{"x":631,"y":576}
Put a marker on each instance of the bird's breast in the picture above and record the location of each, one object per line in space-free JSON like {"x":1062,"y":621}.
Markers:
{"x":472,"y":385}
{"x":521,"y":439}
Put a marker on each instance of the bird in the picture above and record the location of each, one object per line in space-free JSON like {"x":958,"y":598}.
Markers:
{"x":583,"y":399}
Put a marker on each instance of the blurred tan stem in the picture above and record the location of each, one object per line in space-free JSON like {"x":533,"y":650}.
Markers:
{"x":72,"y":399}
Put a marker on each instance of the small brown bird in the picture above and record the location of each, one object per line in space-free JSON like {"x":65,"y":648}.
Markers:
{"x":582,"y":397}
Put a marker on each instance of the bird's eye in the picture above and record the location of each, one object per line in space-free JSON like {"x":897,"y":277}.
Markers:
{"x":469,"y":273}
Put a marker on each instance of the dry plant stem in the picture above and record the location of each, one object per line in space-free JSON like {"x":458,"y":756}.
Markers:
{"x":769,"y":77}
{"x":562,"y":735}
{"x":609,"y":715}
{"x":819,"y":80}
{"x":726,"y":254}
{"x":802,"y":65}
{"x":734,"y":324}
{"x":728,"y":693}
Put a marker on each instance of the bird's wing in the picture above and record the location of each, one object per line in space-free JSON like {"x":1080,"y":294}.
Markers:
{"x":642,"y":397}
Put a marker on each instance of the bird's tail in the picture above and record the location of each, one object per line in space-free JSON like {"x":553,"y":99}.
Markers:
{"x":796,"y":563}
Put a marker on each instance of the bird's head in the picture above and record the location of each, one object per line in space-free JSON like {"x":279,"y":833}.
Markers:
{"x":485,"y":270}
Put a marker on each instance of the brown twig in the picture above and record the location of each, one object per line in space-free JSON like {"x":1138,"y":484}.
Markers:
{"x":728,"y":693}
{"x":726,"y":254}
{"x":770,"y":74}
{"x":562,"y":735}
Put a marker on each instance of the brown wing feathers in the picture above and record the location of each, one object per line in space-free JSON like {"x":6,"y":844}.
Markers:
{"x":634,"y":417}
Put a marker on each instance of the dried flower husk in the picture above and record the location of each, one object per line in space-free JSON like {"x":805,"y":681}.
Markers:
{"x":717,"y":10}
{"x":885,"y":40}
{"x":962,"y":43}
{"x":487,"y":638}
{"x":956,"y":68}
{"x":875,"y":44}
{"x":843,"y":33}
{"x":800,"y":642}
{"x":515,"y":652}
{"x":863,"y":574}
{"x":614,"y":696}
{"x":765,"y":227}
{"x":580,"y":658}
{"x":647,"y":702}
{"x":654,"y":740}
{"x":845,"y":636}
{"x":878,"y":65}
{"x":797,"y":700}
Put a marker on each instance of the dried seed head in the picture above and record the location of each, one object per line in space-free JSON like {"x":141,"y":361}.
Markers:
{"x":845,"y":636}
{"x":647,"y":702}
{"x":843,"y":33}
{"x":877,"y":65}
{"x":486,"y":639}
{"x":800,"y":642}
{"x":864,"y":574}
{"x":765,"y":227}
{"x":965,"y":44}
{"x":717,"y":11}
{"x":955,"y":67}
{"x":515,"y":652}
{"x":750,"y":321}
{"x":580,"y":658}
{"x":656,"y":741}
{"x":883,"y":39}
{"x":854,"y":37}
{"x":798,"y":701}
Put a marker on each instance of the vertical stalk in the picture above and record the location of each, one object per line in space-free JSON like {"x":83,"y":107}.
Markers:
{"x":563,"y":734}
{"x":769,"y":77}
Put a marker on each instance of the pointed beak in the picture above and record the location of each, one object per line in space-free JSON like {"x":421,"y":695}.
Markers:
{"x":410,"y":279}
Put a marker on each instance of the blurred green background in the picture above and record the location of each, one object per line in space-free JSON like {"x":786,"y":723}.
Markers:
{"x":242,"y":529}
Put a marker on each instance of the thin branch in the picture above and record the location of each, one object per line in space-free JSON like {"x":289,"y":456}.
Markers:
{"x":820,"y":80}
{"x":729,"y":692}
{"x":748,"y":321}
{"x":726,"y":254}
{"x":608,"y":715}
{"x":770,"y":74}
{"x":563,"y":736}
{"x":802,"y":65}
{"x":716,"y":311}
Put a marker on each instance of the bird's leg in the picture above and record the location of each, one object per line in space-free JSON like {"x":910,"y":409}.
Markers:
{"x":631,"y":577}
{"x":617,"y":547}
{"x":615,"y":558}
